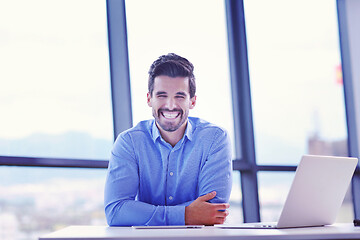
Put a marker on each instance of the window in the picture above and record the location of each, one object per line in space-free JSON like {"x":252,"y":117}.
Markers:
{"x":55,"y":96}
{"x":55,"y":86}
{"x":55,"y":103}
{"x":296,"y":87}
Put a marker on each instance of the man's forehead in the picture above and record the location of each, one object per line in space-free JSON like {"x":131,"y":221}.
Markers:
{"x":173,"y":84}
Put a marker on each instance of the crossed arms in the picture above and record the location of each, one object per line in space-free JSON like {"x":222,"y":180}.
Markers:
{"x":207,"y":206}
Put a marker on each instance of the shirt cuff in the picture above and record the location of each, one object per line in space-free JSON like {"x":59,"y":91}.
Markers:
{"x":176,"y":215}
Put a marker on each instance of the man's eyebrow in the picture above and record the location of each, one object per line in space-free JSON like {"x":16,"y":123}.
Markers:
{"x":181,"y":93}
{"x":160,"y":93}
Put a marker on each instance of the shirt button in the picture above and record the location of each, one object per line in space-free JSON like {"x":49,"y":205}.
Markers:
{"x":170,"y":198}
{"x":171,"y":173}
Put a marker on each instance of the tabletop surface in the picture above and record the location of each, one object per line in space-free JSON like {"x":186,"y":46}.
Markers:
{"x":336,"y":231}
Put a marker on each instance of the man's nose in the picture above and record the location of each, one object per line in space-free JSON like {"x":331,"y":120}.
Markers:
{"x":170,"y":103}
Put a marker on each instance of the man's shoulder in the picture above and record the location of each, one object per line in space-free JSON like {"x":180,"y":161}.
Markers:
{"x":199,"y":123}
{"x":202,"y":126}
{"x":208,"y":135}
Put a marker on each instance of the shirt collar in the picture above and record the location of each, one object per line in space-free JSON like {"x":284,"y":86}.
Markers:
{"x":188,"y":132}
{"x":155,"y":131}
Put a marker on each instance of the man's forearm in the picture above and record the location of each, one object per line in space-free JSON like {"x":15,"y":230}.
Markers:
{"x":131,"y":213}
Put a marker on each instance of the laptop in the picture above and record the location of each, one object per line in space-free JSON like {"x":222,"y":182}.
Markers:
{"x":316,"y":193}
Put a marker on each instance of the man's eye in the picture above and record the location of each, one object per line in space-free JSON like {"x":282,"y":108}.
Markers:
{"x":182,"y":97}
{"x":161,"y":96}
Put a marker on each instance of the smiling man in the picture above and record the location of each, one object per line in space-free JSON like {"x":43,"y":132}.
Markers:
{"x":174,"y":169}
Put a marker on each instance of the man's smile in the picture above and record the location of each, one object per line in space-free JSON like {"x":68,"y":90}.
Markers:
{"x":170,"y":120}
{"x":170,"y":114}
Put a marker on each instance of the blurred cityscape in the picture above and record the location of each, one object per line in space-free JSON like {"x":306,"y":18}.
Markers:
{"x":31,"y":209}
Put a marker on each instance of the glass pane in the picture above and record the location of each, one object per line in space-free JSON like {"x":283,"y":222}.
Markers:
{"x":296,"y":83}
{"x":36,"y":201}
{"x":235,"y":211}
{"x":55,"y":89}
{"x":273,"y":190}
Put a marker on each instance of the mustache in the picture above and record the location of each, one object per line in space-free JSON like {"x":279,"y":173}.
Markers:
{"x":168,"y":110}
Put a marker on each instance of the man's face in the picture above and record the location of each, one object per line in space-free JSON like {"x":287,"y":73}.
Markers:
{"x":170,"y":102}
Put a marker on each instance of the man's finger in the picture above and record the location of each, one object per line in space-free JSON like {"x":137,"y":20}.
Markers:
{"x":221,"y":206}
{"x":222,"y":213}
{"x":208,"y":196}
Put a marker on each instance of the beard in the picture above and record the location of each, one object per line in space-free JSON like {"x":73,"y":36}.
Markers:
{"x":170,"y":125}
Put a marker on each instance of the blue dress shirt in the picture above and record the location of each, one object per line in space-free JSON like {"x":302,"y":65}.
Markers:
{"x":149,"y":182}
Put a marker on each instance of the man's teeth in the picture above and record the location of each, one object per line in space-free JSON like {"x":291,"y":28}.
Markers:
{"x":170,"y":115}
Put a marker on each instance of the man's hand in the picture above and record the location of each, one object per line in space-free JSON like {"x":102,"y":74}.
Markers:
{"x":202,"y":212}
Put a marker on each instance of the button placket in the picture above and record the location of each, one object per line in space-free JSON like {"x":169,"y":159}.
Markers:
{"x":170,"y":186}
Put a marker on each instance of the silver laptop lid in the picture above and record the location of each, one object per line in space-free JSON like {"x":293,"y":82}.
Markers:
{"x":317,"y":191}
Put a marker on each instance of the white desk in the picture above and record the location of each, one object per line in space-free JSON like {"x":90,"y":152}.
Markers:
{"x":337,"y":231}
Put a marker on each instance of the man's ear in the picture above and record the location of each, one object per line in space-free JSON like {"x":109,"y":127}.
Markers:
{"x":192,"y":102}
{"x":149,"y":99}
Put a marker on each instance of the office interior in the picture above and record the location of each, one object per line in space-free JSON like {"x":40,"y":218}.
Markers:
{"x":281,"y":76}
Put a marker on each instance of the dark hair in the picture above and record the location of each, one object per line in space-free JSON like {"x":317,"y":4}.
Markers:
{"x":172,"y":65}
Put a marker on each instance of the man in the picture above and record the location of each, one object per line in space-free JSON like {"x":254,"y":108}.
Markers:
{"x":172,"y":170}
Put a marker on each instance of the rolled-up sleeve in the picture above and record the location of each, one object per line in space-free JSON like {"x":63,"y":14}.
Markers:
{"x":216,"y":172}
